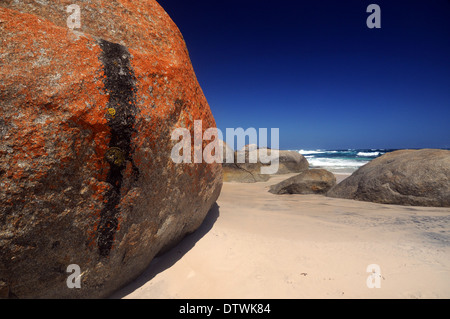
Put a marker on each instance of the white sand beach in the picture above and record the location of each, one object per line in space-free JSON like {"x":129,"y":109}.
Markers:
{"x":254,"y":244}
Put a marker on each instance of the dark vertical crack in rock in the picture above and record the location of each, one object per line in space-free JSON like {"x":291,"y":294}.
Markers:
{"x":120,"y":85}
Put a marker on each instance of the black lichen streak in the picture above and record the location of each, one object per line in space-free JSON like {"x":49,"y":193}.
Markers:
{"x":120,"y":85}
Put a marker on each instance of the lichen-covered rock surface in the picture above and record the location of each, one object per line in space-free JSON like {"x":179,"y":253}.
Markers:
{"x":86,"y":117}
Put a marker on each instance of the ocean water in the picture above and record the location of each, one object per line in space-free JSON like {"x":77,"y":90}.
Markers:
{"x":342,"y":161}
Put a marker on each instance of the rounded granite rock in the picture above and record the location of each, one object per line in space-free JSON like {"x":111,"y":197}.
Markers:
{"x":313,"y":181}
{"x":405,"y":177}
{"x":86,"y":116}
{"x":248,"y":165}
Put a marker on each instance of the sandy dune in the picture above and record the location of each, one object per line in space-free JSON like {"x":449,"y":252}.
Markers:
{"x":258,"y":245}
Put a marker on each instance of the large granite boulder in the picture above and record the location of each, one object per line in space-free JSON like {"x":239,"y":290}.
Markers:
{"x":406,"y":177}
{"x":86,"y":174}
{"x":292,"y":162}
{"x":313,"y":181}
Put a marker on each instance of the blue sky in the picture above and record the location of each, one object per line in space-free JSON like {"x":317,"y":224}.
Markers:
{"x":316,"y":71}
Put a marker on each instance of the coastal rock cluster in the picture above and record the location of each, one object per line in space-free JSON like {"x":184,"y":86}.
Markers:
{"x":245,"y":165}
{"x":86,"y":116}
{"x":405,"y":177}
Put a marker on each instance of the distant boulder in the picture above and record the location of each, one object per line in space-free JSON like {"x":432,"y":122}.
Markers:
{"x":292,"y":162}
{"x":248,"y":164}
{"x":313,"y":181}
{"x":235,"y":173}
{"x":250,"y":147}
{"x":289,"y":161}
{"x":228,"y":156}
{"x":406,"y":177}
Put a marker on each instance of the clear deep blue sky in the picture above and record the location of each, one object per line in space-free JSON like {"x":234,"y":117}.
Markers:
{"x":314,"y":69}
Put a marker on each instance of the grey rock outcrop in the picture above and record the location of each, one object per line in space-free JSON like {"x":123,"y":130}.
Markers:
{"x":405,"y":177}
{"x":248,"y":164}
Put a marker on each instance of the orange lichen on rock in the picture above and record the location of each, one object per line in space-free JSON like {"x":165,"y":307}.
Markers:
{"x":85,"y":155}
{"x":47,"y":76}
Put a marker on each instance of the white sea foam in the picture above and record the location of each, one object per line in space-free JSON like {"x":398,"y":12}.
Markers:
{"x":303,"y":152}
{"x":311,"y":152}
{"x":336,"y":165}
{"x":336,"y":162}
{"x":368,"y":154}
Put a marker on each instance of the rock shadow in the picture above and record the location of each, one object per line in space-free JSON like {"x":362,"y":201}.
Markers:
{"x":169,"y":258}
